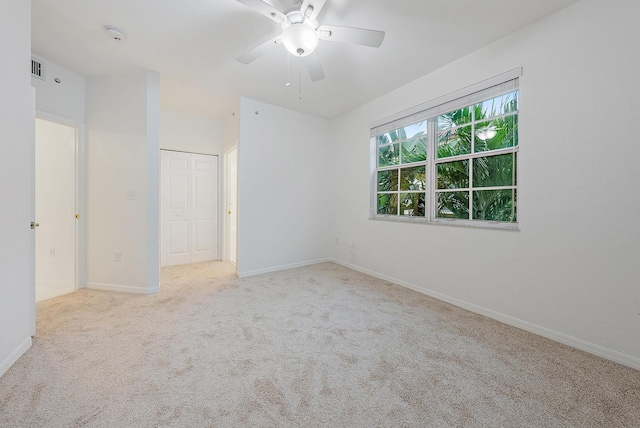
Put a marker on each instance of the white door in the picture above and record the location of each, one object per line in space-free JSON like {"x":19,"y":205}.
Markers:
{"x":175,"y":170}
{"x":204,"y":208}
{"x":189,"y":207}
{"x":55,"y":209}
{"x":232,"y":197}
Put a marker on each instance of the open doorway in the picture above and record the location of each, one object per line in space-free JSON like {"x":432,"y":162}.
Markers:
{"x":231,"y":179}
{"x":55,"y":206}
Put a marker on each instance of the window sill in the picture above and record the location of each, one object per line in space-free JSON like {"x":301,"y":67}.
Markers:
{"x":495,"y":225}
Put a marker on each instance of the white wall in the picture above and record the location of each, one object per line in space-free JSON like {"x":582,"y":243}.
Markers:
{"x":64,"y":99}
{"x":231,"y":127}
{"x":17,"y":113}
{"x":572,"y":270}
{"x":186,"y":132}
{"x":284,"y":191}
{"x":123,"y":152}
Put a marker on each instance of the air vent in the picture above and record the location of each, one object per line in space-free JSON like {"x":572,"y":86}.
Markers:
{"x":37,"y":68}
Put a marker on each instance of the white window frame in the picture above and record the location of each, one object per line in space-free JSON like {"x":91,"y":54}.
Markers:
{"x":429,"y":112}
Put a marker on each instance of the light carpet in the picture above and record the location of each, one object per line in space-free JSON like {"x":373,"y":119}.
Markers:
{"x":320,"y":346}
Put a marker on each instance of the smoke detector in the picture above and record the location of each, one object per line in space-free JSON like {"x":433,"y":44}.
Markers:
{"x":115,"y":33}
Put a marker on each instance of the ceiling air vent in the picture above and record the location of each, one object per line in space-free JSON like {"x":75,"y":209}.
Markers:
{"x":37,"y":68}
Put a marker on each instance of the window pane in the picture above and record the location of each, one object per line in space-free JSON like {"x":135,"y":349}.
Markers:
{"x":454,"y":142}
{"x":412,"y":204}
{"x":413,"y":178}
{"x":388,"y":180}
{"x":383,"y":139}
{"x":497,"y":134}
{"x":413,"y":131}
{"x":455,"y":118}
{"x":453,"y":175}
{"x":453,"y":205}
{"x":388,"y":203}
{"x":389,"y":137}
{"x":414,"y":150}
{"x":388,"y":155}
{"x":494,"y":205}
{"x":500,"y":105}
{"x":494,"y":171}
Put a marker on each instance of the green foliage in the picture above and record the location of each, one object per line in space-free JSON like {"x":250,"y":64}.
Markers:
{"x":494,"y":205}
{"x":413,"y":178}
{"x":388,"y":203}
{"x":414,"y":150}
{"x":413,"y":204}
{"x":388,"y":155}
{"x":388,"y":180}
{"x":453,"y":205}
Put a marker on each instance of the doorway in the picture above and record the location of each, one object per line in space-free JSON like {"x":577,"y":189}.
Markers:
{"x":55,"y":206}
{"x":188,"y":208}
{"x":231,"y":179}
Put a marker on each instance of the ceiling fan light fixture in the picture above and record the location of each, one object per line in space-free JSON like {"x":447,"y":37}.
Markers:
{"x":300,"y":39}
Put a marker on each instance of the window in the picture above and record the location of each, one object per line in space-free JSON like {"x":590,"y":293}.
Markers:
{"x":453,"y":161}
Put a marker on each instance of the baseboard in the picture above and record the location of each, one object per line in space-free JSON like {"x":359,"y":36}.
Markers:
{"x":119,"y":288}
{"x":279,"y":268}
{"x":565,"y":339}
{"x":15,"y":355}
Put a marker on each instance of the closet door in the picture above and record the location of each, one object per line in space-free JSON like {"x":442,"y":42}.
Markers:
{"x":189,"y":208}
{"x":175,"y":210}
{"x":204,"y":208}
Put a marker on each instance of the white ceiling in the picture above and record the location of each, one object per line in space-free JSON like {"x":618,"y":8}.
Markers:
{"x":193,"y":45}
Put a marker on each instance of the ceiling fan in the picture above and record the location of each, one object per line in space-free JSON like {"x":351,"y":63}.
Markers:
{"x":301,"y":33}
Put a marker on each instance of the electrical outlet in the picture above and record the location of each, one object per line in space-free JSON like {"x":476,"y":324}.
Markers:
{"x":131,"y":195}
{"x":52,"y":252}
{"x":337,"y":241}
{"x":117,"y":256}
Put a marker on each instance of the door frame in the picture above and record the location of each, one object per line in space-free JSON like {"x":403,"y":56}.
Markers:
{"x":80,"y":190}
{"x":218,"y":228}
{"x":225,"y":206}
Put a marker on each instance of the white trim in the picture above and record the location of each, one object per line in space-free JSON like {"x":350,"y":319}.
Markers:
{"x":15,"y":355}
{"x":122,"y":288}
{"x":226,"y":235}
{"x":565,"y":339}
{"x":80,"y":186}
{"x":283,"y":267}
{"x":456,"y":222}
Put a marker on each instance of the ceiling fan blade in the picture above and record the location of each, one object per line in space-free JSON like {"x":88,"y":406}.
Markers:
{"x":315,"y":68}
{"x":265,"y":9}
{"x":359,"y":36}
{"x":259,"y":50}
{"x":315,"y":7}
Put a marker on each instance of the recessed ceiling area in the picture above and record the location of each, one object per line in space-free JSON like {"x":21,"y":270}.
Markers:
{"x":193,"y":45}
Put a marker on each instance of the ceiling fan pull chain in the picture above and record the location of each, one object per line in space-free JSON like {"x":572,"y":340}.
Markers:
{"x":288,"y":70}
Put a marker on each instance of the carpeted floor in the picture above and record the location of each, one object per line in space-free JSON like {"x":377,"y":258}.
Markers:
{"x":321,"y":346}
